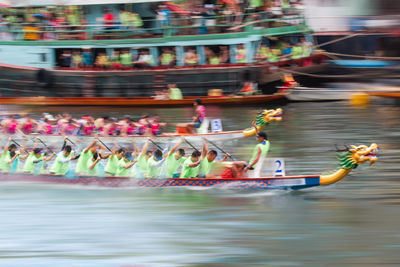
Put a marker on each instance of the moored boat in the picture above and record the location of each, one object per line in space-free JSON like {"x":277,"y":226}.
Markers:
{"x":137,"y":101}
{"x":319,"y":94}
{"x":348,"y":161}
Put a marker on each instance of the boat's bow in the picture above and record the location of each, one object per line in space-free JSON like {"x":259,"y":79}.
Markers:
{"x":349,"y":160}
{"x":263,"y":119}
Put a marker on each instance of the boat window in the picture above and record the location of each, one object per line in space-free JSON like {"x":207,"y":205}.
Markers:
{"x":167,"y":56}
{"x":217,"y":54}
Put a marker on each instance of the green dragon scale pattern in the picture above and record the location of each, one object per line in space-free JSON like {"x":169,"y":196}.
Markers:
{"x":260,"y":120}
{"x":346,"y":161}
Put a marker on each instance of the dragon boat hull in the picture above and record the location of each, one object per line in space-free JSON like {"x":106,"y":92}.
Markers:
{"x":286,"y":182}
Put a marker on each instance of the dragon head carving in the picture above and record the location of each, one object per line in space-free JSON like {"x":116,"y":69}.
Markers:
{"x":267,"y":116}
{"x":357,"y":155}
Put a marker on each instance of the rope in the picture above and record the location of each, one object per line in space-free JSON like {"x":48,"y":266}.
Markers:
{"x":337,"y":40}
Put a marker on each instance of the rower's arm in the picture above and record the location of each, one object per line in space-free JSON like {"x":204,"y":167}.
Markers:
{"x":7,"y":145}
{"x":225,"y":157}
{"x":205,"y":148}
{"x":130,"y":164}
{"x":256,"y":159}
{"x":23,"y":157}
{"x":90,"y":145}
{"x":13,"y":158}
{"x":94,"y":163}
{"x":172,"y":151}
{"x":49,"y":158}
{"x":35,"y":144}
{"x":145,"y":147}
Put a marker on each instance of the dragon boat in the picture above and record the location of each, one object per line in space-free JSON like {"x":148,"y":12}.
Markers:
{"x":262,"y":119}
{"x":348,"y":160}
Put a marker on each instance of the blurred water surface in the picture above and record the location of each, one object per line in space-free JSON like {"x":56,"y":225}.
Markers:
{"x":353,"y":223}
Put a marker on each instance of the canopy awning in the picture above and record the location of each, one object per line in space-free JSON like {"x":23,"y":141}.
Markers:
{"x":27,"y":3}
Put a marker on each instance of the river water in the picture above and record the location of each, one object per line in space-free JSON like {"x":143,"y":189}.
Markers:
{"x":355,"y":222}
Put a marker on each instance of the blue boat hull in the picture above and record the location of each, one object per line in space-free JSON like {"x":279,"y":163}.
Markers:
{"x":287,"y":182}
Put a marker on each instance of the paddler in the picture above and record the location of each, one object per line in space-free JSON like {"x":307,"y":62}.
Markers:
{"x":174,"y":159}
{"x":141,"y":165}
{"x":10,"y":157}
{"x":208,"y":160}
{"x":191,"y":166}
{"x":33,"y":159}
{"x":124,"y":165}
{"x":86,"y":156}
{"x":61,"y":163}
{"x":92,"y":165}
{"x":155,"y":164}
{"x":259,"y":153}
{"x":113,"y":160}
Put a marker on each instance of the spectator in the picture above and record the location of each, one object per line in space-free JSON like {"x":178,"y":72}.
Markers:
{"x":263,"y":53}
{"x":191,"y":58}
{"x":214,"y":59}
{"x":241,"y":56}
{"x":126,"y":58}
{"x":76,"y":59}
{"x":116,"y":60}
{"x":87,"y":58}
{"x":102,"y":61}
{"x":66,"y":59}
{"x":108,"y":18}
{"x":31,"y":33}
{"x":174,"y":92}
{"x":224,"y":54}
{"x":167,"y":58}
{"x":145,"y":59}
{"x":275,"y":54}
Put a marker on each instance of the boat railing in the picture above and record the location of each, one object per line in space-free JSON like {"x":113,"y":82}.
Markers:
{"x":35,"y":32}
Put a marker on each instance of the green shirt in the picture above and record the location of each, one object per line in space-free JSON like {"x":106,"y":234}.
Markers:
{"x":95,"y":170}
{"x":173,"y":164}
{"x":297,"y":52}
{"x":205,"y":166}
{"x":126,"y":59}
{"x":5,"y":158}
{"x":189,"y":172}
{"x":30,"y":165}
{"x":112,"y":165}
{"x":141,"y":164}
{"x":175,"y":94}
{"x":214,"y":60}
{"x":166,"y":58}
{"x":264,"y":146}
{"x":59,"y":167}
{"x":121,"y":171}
{"x":81,"y":165}
{"x":153,"y":171}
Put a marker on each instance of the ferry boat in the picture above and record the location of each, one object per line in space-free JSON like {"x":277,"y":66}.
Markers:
{"x":33,"y":68}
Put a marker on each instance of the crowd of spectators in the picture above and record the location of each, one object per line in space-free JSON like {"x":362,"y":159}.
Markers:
{"x":126,"y":58}
{"x":189,"y":17}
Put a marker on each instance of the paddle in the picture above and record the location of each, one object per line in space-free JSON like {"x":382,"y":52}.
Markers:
{"x":70,"y":141}
{"x":220,"y":149}
{"x":48,"y":148}
{"x":154,"y":143}
{"x":104,"y":144}
{"x":15,"y":142}
{"x":190,"y":144}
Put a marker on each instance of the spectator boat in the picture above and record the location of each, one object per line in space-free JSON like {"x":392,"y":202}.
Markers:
{"x":139,"y":101}
{"x":349,"y":160}
{"x":34,"y":58}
